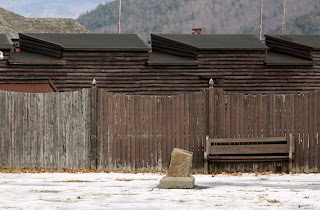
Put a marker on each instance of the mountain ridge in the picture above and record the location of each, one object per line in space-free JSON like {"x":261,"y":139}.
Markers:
{"x":180,"y":16}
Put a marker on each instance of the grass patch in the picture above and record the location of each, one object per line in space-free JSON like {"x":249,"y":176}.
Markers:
{"x":102,"y":194}
{"x":58,"y":201}
{"x":125,"y":194}
{"x":124,"y":180}
{"x":73,"y":181}
{"x":50,"y":191}
{"x":255,"y":191}
{"x":273,"y":201}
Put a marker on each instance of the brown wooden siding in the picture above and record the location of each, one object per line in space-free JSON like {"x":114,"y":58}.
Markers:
{"x":116,"y":72}
{"x":127,"y":72}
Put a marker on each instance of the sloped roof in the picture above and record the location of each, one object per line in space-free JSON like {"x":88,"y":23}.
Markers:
{"x":12,"y":24}
{"x":215,"y":41}
{"x":158,"y":59}
{"x":28,"y":58}
{"x":91,"y":41}
{"x":311,"y":41}
{"x":5,"y":42}
{"x":279,"y":59}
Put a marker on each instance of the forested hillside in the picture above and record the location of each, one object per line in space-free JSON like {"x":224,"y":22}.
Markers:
{"x":214,"y":16}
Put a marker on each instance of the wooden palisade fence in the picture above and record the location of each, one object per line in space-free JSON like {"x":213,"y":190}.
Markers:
{"x":45,"y":131}
{"x":101,"y":130}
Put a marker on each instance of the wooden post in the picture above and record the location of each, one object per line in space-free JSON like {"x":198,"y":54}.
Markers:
{"x":211,"y":108}
{"x":93,"y":136}
{"x":210,"y":124}
{"x":291,"y":152}
{"x":205,"y":158}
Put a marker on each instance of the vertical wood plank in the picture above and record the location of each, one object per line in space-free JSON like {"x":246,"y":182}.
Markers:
{"x":211,"y":111}
{"x":264,"y":116}
{"x":3,"y":129}
{"x":111,"y":136}
{"x":123,"y":136}
{"x":297,"y":108}
{"x":191,"y":127}
{"x":132,"y":133}
{"x":306,"y":133}
{"x":241,"y":115}
{"x":222,"y":113}
{"x":259,"y":116}
{"x":232,"y":115}
{"x":288,"y":114}
{"x":256,"y":117}
{"x":187,"y":121}
{"x":246,"y":117}
{"x":94,"y":98}
{"x":282,"y":116}
{"x":250,"y":115}
{"x":196,"y":131}
{"x":154,"y":133}
{"x":127,"y":134}
{"x":100,"y":129}
{"x":227,"y":117}
{"x":200,"y":129}
{"x":181,"y":121}
{"x":301,"y":133}
{"x":149,"y":132}
{"x":318,"y":132}
{"x":176,"y":122}
{"x":237,"y":116}
{"x":311,"y":114}
{"x":164,"y":131}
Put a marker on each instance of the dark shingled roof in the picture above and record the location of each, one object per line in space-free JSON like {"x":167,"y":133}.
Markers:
{"x":312,"y":41}
{"x":11,"y":24}
{"x":216,"y":41}
{"x":5,"y":42}
{"x":280,"y":59}
{"x":112,"y":42}
{"x":157,"y":58}
{"x":27,"y":58}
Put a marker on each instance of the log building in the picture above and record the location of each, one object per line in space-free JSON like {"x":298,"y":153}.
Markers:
{"x":174,"y":64}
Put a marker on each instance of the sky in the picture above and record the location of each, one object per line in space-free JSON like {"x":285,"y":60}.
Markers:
{"x":51,"y":8}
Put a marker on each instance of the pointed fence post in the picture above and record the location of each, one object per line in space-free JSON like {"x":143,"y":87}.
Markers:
{"x":211,"y":114}
{"x":211,"y":108}
{"x":93,"y":136}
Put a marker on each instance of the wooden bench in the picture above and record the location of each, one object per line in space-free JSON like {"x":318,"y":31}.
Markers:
{"x":249,"y":150}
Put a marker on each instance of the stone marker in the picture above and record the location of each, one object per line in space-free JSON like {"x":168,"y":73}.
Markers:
{"x":178,"y":176}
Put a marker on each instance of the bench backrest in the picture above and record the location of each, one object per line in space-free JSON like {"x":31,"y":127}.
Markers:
{"x":248,"y":146}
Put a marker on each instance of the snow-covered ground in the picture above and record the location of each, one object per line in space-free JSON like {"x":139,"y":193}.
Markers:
{"x":140,"y":191}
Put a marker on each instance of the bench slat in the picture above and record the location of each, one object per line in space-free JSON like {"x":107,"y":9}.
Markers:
{"x":250,"y":159}
{"x":241,"y":158}
{"x":248,"y":140}
{"x":248,"y":149}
